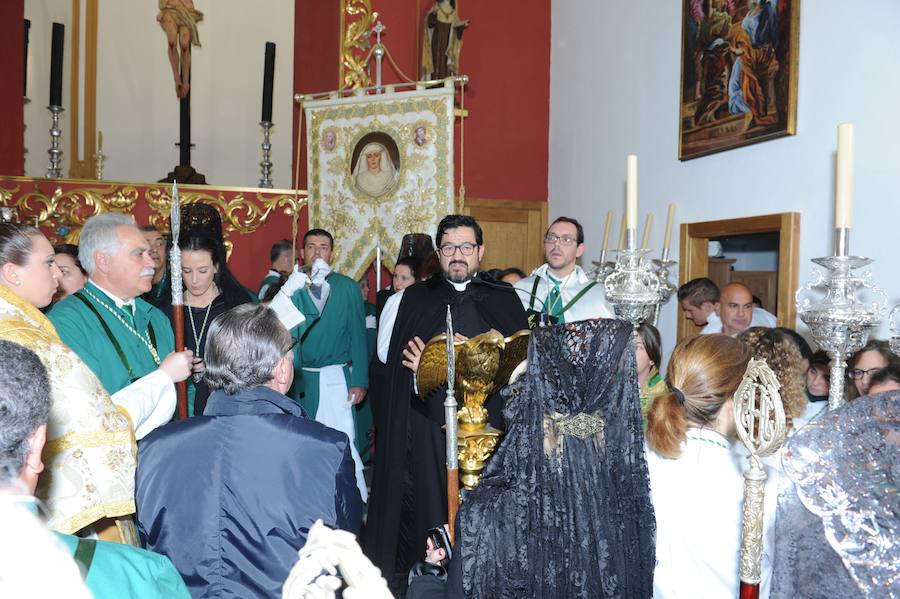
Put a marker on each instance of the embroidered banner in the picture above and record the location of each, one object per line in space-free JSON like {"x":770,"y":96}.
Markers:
{"x":380,"y":166}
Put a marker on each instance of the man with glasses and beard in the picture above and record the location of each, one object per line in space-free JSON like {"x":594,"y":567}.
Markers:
{"x":559,"y":290}
{"x":409,"y":490}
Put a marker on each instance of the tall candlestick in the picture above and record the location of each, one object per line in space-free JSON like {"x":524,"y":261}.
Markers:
{"x":622,"y":234}
{"x":670,"y":220}
{"x":268,"y":82}
{"x":631,"y":191}
{"x":606,"y":230}
{"x":645,"y":242}
{"x":99,"y":141}
{"x":56,"y":64}
{"x":843,"y":204}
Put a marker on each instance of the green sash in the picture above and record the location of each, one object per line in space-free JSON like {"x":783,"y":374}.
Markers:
{"x":537,"y":316}
{"x":84,"y":555}
{"x":112,"y":338}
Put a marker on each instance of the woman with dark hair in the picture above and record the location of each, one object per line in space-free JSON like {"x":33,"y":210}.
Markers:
{"x":73,"y":274}
{"x":648,"y":354}
{"x":209,"y":290}
{"x":875,"y":355}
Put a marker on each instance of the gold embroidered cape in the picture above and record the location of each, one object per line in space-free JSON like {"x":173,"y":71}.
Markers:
{"x":90,"y":455}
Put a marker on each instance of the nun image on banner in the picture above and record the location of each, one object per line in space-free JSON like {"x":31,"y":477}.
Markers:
{"x":374,"y":173}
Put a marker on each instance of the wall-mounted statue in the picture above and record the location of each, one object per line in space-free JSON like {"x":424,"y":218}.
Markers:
{"x":442,"y":41}
{"x":179,"y":18}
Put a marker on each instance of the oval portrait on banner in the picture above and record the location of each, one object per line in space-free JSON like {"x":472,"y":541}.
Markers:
{"x":375,"y":164}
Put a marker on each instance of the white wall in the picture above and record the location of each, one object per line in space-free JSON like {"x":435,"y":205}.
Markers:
{"x":43,"y":13}
{"x":614,"y":87}
{"x":137,"y":110}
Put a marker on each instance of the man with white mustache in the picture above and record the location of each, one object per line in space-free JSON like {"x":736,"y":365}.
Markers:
{"x":124,"y":340}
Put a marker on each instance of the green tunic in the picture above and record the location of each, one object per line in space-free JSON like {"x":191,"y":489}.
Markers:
{"x":80,"y":329}
{"x":270,"y":280}
{"x":337,"y":336}
{"x":123,"y":571}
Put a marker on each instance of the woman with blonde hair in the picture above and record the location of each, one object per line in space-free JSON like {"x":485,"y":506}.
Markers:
{"x":695,"y":480}
{"x":784,"y":358}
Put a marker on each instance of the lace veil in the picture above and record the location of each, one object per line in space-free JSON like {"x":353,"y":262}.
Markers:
{"x":563,"y":508}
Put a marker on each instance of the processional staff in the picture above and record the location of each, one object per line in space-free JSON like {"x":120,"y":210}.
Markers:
{"x":761,"y":426}
{"x":451,"y":424}
{"x":177,"y":295}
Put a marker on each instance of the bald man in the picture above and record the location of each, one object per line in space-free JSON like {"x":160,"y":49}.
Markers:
{"x":735,"y":312}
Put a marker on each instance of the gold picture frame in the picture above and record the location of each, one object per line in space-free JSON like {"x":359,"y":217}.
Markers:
{"x":739,"y":71}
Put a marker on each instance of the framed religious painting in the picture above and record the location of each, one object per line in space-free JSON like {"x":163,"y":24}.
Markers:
{"x":738,"y":73}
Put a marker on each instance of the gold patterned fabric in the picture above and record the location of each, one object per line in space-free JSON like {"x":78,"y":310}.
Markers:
{"x":407,"y":187}
{"x":90,"y":455}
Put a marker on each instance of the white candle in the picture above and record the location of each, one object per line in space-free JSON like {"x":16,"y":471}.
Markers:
{"x":622,"y":234}
{"x":609,"y":221}
{"x":631,"y":191}
{"x":645,"y":243}
{"x":670,"y":220}
{"x":843,"y":204}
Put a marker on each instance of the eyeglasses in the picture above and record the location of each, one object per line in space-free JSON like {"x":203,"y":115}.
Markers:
{"x":856,"y":373}
{"x":565,"y":240}
{"x":449,"y":249}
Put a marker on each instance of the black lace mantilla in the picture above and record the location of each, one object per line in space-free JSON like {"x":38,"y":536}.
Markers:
{"x":563,"y":509}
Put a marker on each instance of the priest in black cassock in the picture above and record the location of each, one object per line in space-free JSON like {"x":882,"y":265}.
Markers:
{"x":409,"y":487}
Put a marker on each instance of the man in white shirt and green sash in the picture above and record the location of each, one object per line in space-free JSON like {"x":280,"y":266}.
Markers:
{"x":559,"y":290}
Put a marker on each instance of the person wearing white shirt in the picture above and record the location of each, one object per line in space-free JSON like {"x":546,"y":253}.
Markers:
{"x":559,"y":290}
{"x":695,"y":481}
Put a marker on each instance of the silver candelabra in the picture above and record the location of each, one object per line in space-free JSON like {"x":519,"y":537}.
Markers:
{"x":54,"y":171}
{"x":895,"y":330}
{"x":838,"y":317}
{"x":266,"y":164}
{"x":636,"y":286}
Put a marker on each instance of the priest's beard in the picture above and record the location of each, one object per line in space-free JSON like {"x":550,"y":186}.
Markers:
{"x":456,"y":276}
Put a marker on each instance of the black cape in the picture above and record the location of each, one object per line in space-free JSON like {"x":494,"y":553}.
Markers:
{"x":409,"y":486}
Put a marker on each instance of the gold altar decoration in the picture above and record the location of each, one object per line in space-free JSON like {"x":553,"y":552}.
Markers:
{"x":761,"y":425}
{"x":72,"y":206}
{"x":239,"y":213}
{"x":71,"y":202}
{"x":484,"y":364}
{"x":357,"y":20}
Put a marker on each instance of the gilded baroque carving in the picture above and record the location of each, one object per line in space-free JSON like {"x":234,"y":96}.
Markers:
{"x":357,"y":18}
{"x":65,"y":211}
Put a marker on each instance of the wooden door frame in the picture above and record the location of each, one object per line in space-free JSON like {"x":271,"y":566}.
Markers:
{"x":694,"y":256}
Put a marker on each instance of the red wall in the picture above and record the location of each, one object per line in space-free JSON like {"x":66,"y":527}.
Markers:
{"x":12,"y":108}
{"x":506,"y":54}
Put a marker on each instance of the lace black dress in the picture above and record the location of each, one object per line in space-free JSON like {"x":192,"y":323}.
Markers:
{"x":563,"y":508}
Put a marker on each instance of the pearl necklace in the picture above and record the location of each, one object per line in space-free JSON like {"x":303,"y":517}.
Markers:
{"x":131,"y":329}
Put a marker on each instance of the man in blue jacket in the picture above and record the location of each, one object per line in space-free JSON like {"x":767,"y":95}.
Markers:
{"x":230,"y":496}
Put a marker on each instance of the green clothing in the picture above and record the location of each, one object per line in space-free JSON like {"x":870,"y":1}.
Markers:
{"x":337,"y":336}
{"x":80,"y":329}
{"x":156,"y":292}
{"x":655,"y":386}
{"x":270,"y":280}
{"x":118,"y":571}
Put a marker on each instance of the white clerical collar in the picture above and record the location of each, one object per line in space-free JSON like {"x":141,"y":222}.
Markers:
{"x":460,"y":286}
{"x":119,"y":302}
